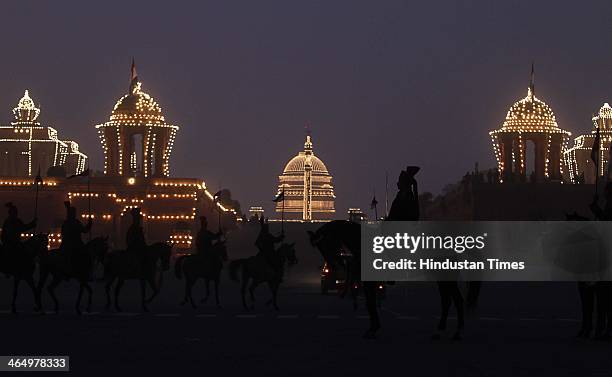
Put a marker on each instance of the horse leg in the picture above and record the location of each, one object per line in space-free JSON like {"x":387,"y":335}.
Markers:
{"x":243,"y":291}
{"x":42,"y":279}
{"x":16,"y":281}
{"x":254,"y":285}
{"x":217,"y":292}
{"x":154,"y":287}
{"x":190,"y":283}
{"x":445,"y":301}
{"x":107,"y":288}
{"x":37,"y":306}
{"x":78,"y":302}
{"x":142,"y":294}
{"x":207,"y":282}
{"x":458,"y":302}
{"x":274,"y":288}
{"x":89,"y":294}
{"x":369,"y":290}
{"x":186,"y":298}
{"x":117,"y":290}
{"x":51,"y":289}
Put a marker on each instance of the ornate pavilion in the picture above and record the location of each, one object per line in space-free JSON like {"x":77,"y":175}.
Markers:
{"x":27,"y":146}
{"x":581,"y":168}
{"x":308,"y":190}
{"x":529,"y":120}
{"x":137,"y":143}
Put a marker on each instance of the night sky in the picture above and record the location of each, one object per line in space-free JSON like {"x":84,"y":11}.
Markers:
{"x":383,"y":84}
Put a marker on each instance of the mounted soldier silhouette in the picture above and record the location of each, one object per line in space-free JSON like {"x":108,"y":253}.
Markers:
{"x":267,"y":266}
{"x":17,"y":258}
{"x":339,"y":238}
{"x":602,"y":290}
{"x":207,"y":263}
{"x":138,"y":262}
{"x":73,"y":260}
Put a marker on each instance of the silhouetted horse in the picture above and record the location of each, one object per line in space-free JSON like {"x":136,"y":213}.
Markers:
{"x":121,"y":265}
{"x":207,"y":267}
{"x":593,"y":295}
{"x":335,"y":240}
{"x":78,"y":265}
{"x":259,"y":270}
{"x":20,"y":264}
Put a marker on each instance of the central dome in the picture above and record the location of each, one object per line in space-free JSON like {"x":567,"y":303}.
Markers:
{"x":137,"y":106}
{"x":297,"y":164}
{"x":530,"y":114}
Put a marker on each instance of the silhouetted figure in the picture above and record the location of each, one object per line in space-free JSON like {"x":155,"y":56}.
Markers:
{"x":12,"y":228}
{"x":205,"y":238}
{"x":266,"y":266}
{"x":207,"y":263}
{"x":18,"y":258}
{"x":265,"y":241}
{"x":603,"y":289}
{"x":72,"y":244}
{"x":405,"y":206}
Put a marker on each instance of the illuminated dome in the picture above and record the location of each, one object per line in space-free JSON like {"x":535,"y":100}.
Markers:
{"x":529,"y":123}
{"x":137,"y":106}
{"x":530,"y":113}
{"x":136,"y":140}
{"x":603,"y":119}
{"x":307,"y":187}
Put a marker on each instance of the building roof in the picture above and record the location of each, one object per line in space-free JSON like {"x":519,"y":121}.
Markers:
{"x":298,"y":164}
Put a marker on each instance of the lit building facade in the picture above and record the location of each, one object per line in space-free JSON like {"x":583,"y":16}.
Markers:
{"x":307,"y":187}
{"x":581,"y":169}
{"x":137,"y":141}
{"x":169,"y":206}
{"x":529,"y":120}
{"x":27,"y":146}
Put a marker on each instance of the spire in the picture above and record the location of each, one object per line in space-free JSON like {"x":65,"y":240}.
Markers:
{"x":133,"y":78}
{"x":531,"y":90}
{"x":26,"y":111}
{"x":308,"y":143}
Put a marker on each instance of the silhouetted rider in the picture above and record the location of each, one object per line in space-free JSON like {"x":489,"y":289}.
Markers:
{"x":604,"y":214}
{"x":135,"y":238}
{"x":265,"y":241}
{"x":72,"y":229}
{"x":405,"y":206}
{"x":205,"y":238}
{"x":12,"y":229}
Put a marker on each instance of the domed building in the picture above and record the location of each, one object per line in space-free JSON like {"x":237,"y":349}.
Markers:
{"x":581,"y":168}
{"x":529,"y":120}
{"x":307,"y":188}
{"x":137,"y":141}
{"x":27,"y":146}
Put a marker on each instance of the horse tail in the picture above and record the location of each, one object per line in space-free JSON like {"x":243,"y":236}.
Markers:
{"x":234,"y":266}
{"x":178,"y":267}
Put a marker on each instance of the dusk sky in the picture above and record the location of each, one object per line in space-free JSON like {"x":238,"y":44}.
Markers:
{"x":383,"y":84}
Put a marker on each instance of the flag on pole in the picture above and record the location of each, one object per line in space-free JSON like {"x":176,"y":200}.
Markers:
{"x":280,"y":197}
{"x":84,"y":173}
{"x":133,"y":77}
{"x":374,"y":203}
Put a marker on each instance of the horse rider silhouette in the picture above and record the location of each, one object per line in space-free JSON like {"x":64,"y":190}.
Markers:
{"x":205,"y":238}
{"x":265,"y":242}
{"x":405,"y":206}
{"x":135,"y":239}
{"x":72,"y":244}
{"x":12,"y":229}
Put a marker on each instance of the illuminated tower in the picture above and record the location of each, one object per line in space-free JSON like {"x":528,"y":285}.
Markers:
{"x":136,"y":140}
{"x":27,"y":146}
{"x":578,"y":158}
{"x":306,"y":182}
{"x":529,"y":120}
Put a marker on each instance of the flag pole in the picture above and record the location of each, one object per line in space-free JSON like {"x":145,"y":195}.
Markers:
{"x":89,"y":199}
{"x":283,"y":214}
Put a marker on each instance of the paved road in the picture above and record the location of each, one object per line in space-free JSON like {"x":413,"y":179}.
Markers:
{"x":519,"y":329}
